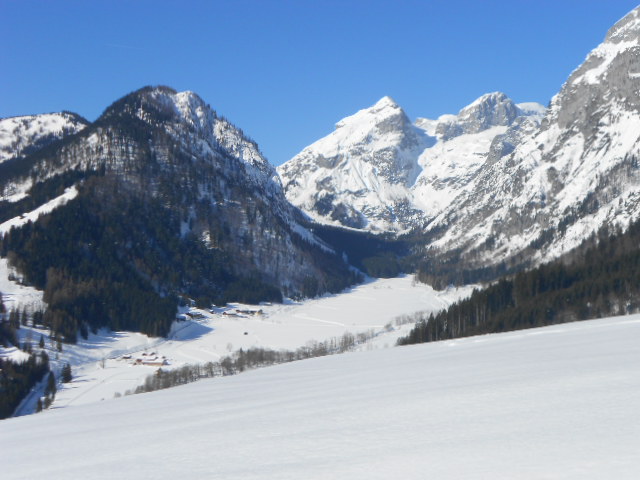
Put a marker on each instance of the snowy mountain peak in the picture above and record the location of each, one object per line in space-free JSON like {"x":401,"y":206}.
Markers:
{"x":490,"y":110}
{"x":385,"y":115}
{"x":178,"y":107}
{"x":359,"y":175}
{"x":626,"y":29}
{"x":565,"y":179}
{"x":385,"y":102}
{"x":485,"y":101}
{"x":621,"y":45}
{"x":377,"y":171}
{"x":23,"y":135}
{"x":186,"y":115}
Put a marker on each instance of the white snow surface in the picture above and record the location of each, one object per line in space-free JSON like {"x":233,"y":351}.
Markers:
{"x":449,"y":167}
{"x":556,"y":403}
{"x":14,"y":294}
{"x":100,"y":371}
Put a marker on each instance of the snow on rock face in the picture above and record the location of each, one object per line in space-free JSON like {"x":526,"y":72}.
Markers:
{"x":497,"y":177}
{"x":580,"y":168}
{"x":191,"y":116}
{"x":359,"y":175}
{"x":23,"y":135}
{"x":376,"y":171}
{"x":490,"y":110}
{"x":466,"y":144}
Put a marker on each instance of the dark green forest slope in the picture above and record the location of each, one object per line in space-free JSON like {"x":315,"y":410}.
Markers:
{"x":600,"y":278}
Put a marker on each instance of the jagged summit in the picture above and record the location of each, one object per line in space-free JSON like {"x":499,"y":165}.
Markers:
{"x":186,"y":114}
{"x":490,"y":110}
{"x":385,"y":117}
{"x":554,"y":185}
{"x":626,"y":29}
{"x":162,"y":103}
{"x":384,"y":102}
{"x":359,"y":175}
{"x":379,"y":172}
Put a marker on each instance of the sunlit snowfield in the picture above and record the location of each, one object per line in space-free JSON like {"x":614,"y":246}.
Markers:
{"x":100,"y":371}
{"x":557,"y":402}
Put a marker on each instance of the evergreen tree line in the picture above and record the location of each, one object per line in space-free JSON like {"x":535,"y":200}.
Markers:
{"x":41,"y":192}
{"x":379,"y":256}
{"x":441,"y":270}
{"x":337,"y":275}
{"x":255,"y":357}
{"x":113,"y":260}
{"x":600,"y":278}
{"x":7,"y":332}
{"x":17,"y":379}
{"x":51,"y":387}
{"x":87,"y":273}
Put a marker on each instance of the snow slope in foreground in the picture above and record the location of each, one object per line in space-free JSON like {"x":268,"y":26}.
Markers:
{"x":555,"y":402}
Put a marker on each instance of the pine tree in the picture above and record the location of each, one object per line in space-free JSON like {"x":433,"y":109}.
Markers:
{"x":51,"y":389}
{"x":66,"y":373}
{"x":41,"y":342}
{"x":14,"y":318}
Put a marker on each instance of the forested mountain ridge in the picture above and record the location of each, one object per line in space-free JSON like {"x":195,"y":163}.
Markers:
{"x":600,"y":278}
{"x":171,"y":199}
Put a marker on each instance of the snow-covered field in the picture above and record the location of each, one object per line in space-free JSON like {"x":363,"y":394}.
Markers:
{"x":101,"y":370}
{"x":551,"y":403}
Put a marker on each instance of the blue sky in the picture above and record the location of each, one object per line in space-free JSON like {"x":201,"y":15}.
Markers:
{"x":285,"y":71}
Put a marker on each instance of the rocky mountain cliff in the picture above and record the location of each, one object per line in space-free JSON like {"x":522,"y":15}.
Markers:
{"x":360,"y":175}
{"x":379,"y":172}
{"x":498,"y":183}
{"x":451,"y":166}
{"x":545,"y":189}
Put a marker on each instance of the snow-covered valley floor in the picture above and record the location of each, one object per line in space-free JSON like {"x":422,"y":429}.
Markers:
{"x":551,"y":403}
{"x":103,"y":365}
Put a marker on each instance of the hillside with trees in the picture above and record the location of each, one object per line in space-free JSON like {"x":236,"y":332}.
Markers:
{"x":598,"y":279}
